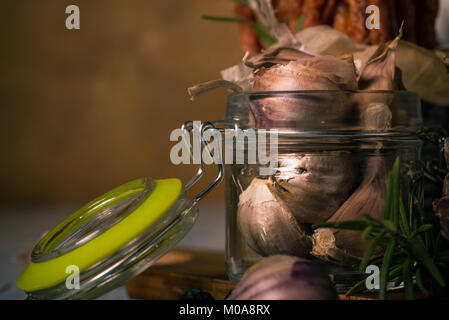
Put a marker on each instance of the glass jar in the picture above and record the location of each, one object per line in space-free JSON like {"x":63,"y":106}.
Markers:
{"x":335,"y":150}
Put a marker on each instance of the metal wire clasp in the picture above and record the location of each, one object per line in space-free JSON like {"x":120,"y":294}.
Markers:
{"x":218,"y":126}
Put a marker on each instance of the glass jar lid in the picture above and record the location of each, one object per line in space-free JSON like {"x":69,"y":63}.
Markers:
{"x":114,"y":237}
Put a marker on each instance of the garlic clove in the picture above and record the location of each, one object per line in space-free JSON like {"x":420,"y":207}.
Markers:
{"x":380,"y":72}
{"x":314,"y":186}
{"x":317,"y":74}
{"x":267,"y":227}
{"x":345,"y":246}
{"x":324,"y":247}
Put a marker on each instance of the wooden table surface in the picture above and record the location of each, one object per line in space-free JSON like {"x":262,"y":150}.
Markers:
{"x":181,"y":270}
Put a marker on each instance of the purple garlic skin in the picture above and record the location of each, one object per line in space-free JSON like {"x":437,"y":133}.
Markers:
{"x":317,"y":73}
{"x":282,"y":277}
{"x":268,"y":228}
{"x":381,"y":73}
{"x":314,"y":186}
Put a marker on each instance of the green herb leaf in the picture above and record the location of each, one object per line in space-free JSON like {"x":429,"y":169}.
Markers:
{"x":422,"y":215}
{"x":384,"y":270}
{"x":374,"y":221}
{"x":398,"y":254}
{"x":259,"y":29}
{"x":403,"y":221}
{"x":420,"y":253}
{"x":390,"y":225}
{"x":396,"y":193}
{"x":226,"y":19}
{"x":421,"y":229}
{"x":300,"y":23}
{"x":419,"y":282}
{"x":369,"y":251}
{"x":359,"y":286}
{"x":408,"y":280}
{"x":399,"y":279}
{"x":387,"y":208}
{"x":423,"y":219}
{"x":366,"y":232}
{"x":263,"y":34}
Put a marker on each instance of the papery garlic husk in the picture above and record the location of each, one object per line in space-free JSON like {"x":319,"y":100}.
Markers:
{"x":274,"y":56}
{"x":380,"y":72}
{"x":346,"y":247}
{"x":267,"y":227}
{"x":317,"y":73}
{"x":202,"y":88}
{"x":314,"y":186}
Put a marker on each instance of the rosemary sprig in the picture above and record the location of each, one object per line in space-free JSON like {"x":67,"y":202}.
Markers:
{"x":226,"y":19}
{"x":300,"y":23}
{"x":259,"y":29}
{"x":415,"y":253}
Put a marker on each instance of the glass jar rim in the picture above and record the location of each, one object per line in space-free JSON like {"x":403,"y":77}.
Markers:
{"x":336,"y":111}
{"x":395,"y":92}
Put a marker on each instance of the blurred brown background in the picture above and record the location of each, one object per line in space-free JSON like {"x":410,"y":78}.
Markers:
{"x":82,"y":111}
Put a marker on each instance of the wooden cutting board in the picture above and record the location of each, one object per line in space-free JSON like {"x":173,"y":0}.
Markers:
{"x":182,"y":270}
{"x":179,"y":271}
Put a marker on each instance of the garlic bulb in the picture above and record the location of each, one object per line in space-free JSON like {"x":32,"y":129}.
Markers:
{"x":314,"y":186}
{"x":315,"y":73}
{"x":267,"y":227}
{"x":345,"y":246}
{"x":282,"y":277}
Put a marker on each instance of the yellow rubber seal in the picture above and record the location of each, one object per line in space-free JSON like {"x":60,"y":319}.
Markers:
{"x":46,"y":274}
